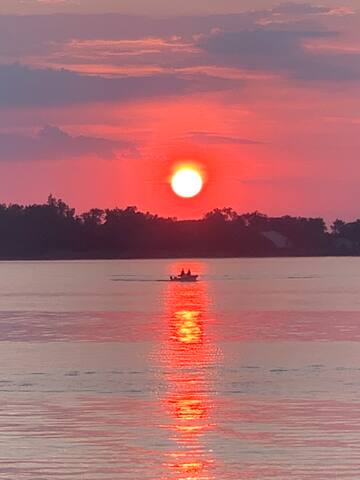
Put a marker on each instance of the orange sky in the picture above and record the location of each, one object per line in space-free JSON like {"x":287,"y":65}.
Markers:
{"x":97,"y":110}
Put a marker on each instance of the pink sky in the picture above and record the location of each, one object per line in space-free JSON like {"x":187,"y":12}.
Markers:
{"x":96,"y":109}
{"x":150,"y":7}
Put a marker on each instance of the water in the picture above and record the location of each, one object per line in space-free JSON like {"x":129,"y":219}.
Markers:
{"x":107,"y":371}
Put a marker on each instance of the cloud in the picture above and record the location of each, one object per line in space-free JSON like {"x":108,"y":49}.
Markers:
{"x":259,"y":45}
{"x":128,"y":57}
{"x":149,"y":7}
{"x":24,"y":86}
{"x":210,"y":138}
{"x":281,"y":51}
{"x":154,"y":49}
{"x":52,"y":143}
{"x":21,"y":34}
{"x":291,"y":8}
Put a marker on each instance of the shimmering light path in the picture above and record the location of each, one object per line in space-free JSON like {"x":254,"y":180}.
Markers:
{"x":188,"y":361}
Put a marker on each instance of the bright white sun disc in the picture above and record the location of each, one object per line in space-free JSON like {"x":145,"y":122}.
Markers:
{"x":187,"y":183}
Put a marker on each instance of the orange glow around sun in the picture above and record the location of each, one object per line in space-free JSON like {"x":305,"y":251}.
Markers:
{"x":187,"y":182}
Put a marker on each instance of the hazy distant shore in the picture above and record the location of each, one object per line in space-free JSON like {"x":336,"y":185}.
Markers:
{"x":78,"y":257}
{"x":53,"y":231}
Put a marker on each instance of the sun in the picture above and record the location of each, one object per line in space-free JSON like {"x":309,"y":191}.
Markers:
{"x":187,"y":182}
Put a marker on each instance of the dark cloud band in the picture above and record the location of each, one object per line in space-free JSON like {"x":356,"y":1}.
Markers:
{"x":52,"y":143}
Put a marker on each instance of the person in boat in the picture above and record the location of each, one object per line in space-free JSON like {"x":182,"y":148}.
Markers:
{"x":182,"y":273}
{"x":189,"y":273}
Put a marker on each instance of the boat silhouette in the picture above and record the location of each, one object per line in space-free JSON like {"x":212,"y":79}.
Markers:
{"x":184,"y":277}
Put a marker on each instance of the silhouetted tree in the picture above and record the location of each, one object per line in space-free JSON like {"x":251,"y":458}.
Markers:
{"x":338,"y":227}
{"x":53,"y":230}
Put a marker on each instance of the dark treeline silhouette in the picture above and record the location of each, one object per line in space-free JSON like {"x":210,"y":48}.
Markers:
{"x":54,"y":230}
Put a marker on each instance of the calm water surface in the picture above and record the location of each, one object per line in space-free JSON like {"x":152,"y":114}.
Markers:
{"x":108,"y":371}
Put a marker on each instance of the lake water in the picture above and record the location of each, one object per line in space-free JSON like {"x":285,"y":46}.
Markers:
{"x":108,"y":371}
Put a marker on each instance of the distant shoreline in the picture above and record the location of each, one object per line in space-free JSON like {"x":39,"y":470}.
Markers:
{"x":169,"y":257}
{"x":53,"y":231}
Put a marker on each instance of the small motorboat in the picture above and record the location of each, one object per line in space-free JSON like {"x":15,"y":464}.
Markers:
{"x":184,"y":278}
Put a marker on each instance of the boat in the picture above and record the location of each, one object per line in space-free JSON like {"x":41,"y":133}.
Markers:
{"x":184,"y":278}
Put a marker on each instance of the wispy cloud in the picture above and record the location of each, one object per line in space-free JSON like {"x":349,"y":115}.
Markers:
{"x":52,"y":143}
{"x":23,"y":86}
{"x":281,"y":51}
{"x":212,"y":138}
{"x":141,"y":46}
{"x":294,"y":8}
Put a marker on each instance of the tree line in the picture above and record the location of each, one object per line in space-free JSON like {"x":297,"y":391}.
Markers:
{"x":54,"y":231}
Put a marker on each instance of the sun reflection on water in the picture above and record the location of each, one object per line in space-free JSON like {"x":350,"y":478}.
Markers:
{"x":187,"y":328}
{"x":187,"y":355}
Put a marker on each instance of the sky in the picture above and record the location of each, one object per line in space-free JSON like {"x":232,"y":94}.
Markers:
{"x":100,"y":101}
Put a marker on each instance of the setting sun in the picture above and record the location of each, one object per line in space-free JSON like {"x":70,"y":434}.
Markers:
{"x":187,"y":182}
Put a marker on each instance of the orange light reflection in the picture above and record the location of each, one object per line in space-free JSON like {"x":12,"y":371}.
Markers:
{"x":187,"y":354}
